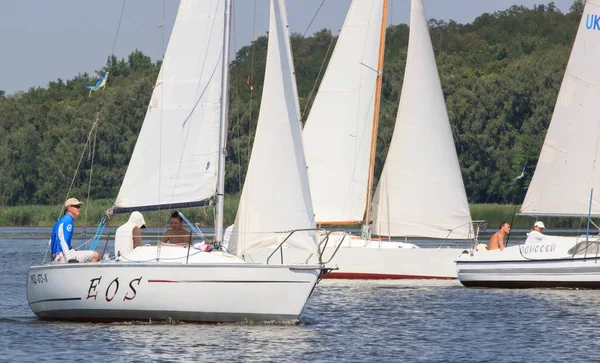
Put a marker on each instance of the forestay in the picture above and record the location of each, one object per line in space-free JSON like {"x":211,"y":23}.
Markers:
{"x":566,"y":169}
{"x":421,"y":191}
{"x":338,"y":131}
{"x":174,"y":162}
{"x":275,"y":197}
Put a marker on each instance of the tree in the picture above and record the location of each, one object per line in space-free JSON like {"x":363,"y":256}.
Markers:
{"x":577,"y":7}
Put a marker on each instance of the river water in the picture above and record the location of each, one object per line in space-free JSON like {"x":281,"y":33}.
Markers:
{"x":368,"y":321}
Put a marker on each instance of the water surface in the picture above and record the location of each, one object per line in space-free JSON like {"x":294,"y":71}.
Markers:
{"x":366,"y":321}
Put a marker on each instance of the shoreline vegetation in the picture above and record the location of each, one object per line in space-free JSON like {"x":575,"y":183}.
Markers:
{"x":94,"y":210}
{"x":46,"y":216}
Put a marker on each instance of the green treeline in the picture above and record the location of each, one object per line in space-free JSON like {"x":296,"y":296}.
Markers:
{"x":500,"y":76}
{"x":46,"y":215}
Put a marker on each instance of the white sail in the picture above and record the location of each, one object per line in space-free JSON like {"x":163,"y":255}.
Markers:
{"x":421,"y":191}
{"x":566,"y":169}
{"x":338,"y":132}
{"x":175,"y":158}
{"x":275,"y":197}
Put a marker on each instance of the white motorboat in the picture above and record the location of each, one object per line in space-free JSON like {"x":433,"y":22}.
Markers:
{"x":187,"y":119}
{"x":556,"y":262}
{"x":563,"y":185}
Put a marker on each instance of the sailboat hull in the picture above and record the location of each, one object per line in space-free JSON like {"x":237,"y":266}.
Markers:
{"x":160,"y":291}
{"x":375,"y":260}
{"x":548,"y":264}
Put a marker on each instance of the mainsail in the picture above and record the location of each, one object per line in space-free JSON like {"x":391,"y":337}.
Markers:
{"x":338,"y":132}
{"x":421,"y":191}
{"x":174,"y":163}
{"x":566,"y":169}
{"x":275,"y":197}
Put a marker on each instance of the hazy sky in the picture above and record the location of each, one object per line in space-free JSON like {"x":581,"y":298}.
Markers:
{"x":42,"y":40}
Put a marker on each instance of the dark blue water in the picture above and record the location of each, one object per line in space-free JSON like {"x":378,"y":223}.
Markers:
{"x":383,"y":321}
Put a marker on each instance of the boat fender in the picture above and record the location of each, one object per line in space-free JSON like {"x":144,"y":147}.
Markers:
{"x":73,"y":260}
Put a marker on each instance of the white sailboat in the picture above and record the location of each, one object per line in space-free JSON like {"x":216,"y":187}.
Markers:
{"x":339,"y":129}
{"x":420,"y":191}
{"x":179,"y":161}
{"x":564,"y":184}
{"x":275,"y":197}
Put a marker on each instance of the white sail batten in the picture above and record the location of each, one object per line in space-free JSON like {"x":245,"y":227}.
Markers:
{"x":275,"y":197}
{"x":566,"y":169}
{"x":338,"y":131}
{"x":421,"y":191}
{"x":170,"y":165}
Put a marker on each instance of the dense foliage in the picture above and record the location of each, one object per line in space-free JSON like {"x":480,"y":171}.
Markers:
{"x":500,"y":75}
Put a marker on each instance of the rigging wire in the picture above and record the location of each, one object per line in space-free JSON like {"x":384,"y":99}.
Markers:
{"x":92,"y":154}
{"x":164,"y":12}
{"x":313,"y":18}
{"x":118,"y":28}
{"x":249,"y":144}
{"x":162,"y":48}
{"x":591,"y":184}
{"x":236,"y":95}
{"x":255,"y":37}
{"x":314,"y":87}
{"x":87,"y":146}
{"x":325,"y":61}
{"x":94,"y":125}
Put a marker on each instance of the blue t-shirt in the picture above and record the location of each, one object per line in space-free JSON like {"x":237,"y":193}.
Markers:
{"x":62,"y":228}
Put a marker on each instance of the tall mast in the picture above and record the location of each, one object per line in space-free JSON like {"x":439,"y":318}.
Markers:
{"x":223,"y":124}
{"x":366,"y":226}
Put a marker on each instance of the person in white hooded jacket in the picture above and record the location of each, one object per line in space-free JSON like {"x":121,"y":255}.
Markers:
{"x":536,"y":235}
{"x":129,"y":235}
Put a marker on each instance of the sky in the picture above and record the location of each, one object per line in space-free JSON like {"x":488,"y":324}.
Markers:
{"x":43,"y":40}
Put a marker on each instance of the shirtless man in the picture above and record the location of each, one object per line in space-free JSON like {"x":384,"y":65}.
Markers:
{"x":497,"y":240}
{"x":176,"y":234}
